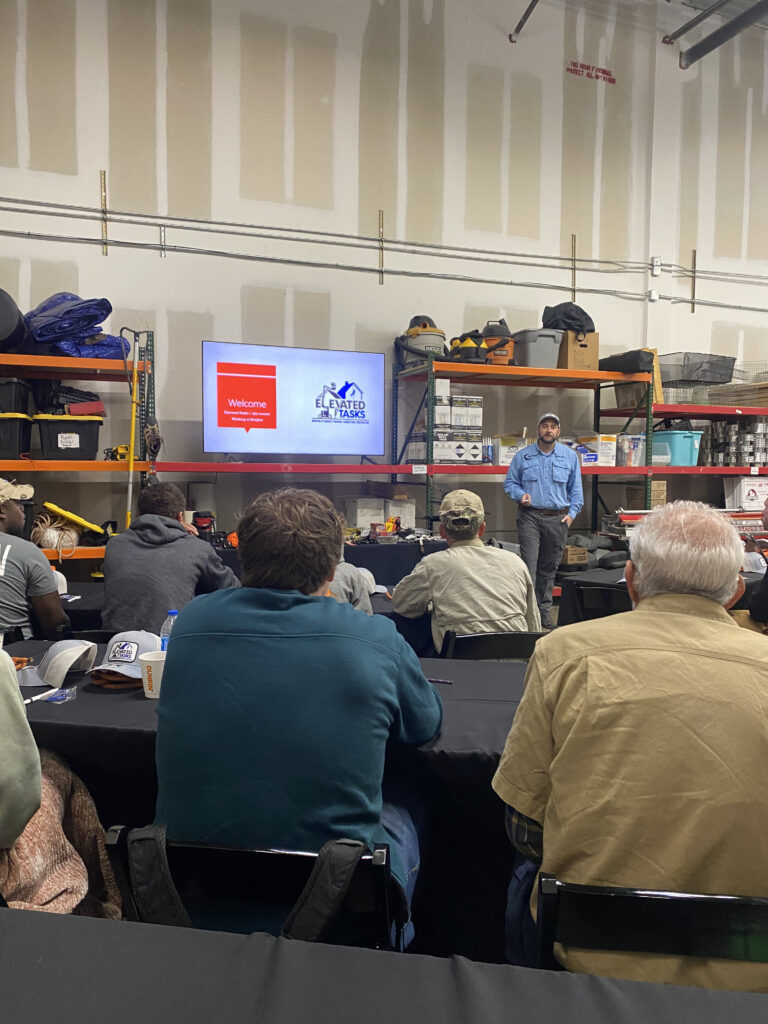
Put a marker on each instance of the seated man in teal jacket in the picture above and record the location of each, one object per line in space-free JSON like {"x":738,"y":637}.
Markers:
{"x":277,"y":702}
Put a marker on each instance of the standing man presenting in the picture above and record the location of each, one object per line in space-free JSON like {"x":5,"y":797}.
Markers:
{"x":545,"y":479}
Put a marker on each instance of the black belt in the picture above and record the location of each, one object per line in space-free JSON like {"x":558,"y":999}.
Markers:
{"x":547,"y":511}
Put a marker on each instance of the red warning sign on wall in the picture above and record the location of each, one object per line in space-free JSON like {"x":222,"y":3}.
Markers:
{"x":246,"y":395}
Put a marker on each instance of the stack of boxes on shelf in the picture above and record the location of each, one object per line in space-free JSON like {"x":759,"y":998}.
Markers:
{"x":458,"y":435}
{"x":70,"y":435}
{"x":381,"y":503}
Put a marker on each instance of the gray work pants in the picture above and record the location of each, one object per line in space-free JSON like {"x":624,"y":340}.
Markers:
{"x":542,"y":539}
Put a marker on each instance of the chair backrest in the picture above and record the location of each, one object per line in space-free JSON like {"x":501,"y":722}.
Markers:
{"x":649,"y":921}
{"x":95,"y":636}
{"x":489,"y":646}
{"x":169,"y":882}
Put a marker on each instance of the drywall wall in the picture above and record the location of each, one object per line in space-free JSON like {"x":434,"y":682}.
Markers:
{"x":308,"y":118}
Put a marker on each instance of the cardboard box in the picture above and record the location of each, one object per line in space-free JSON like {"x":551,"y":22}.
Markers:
{"x":506,"y":448}
{"x":746,"y":492}
{"x":574,"y":556}
{"x":587,"y":457}
{"x":361,"y":512}
{"x":459,"y":411}
{"x":404,"y":510}
{"x":603,"y":444}
{"x":442,"y":388}
{"x":578,"y":354}
{"x":474,"y":411}
{"x":442,"y":412}
{"x":636,"y":495}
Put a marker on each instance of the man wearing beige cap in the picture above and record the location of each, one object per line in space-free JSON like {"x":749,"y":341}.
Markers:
{"x":25,"y":575}
{"x":470,"y":588}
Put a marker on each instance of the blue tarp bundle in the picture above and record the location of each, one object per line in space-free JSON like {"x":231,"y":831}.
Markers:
{"x":65,"y":323}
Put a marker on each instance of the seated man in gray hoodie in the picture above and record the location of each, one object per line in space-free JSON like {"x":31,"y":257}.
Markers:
{"x":157,"y":565}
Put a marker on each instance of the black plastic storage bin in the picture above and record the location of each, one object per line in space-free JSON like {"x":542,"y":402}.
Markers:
{"x":16,"y":396}
{"x":15,"y":434}
{"x":69,"y":437}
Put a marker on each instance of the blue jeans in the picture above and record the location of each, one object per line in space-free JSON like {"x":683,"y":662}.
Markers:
{"x":521,"y":935}
{"x":402,"y":815}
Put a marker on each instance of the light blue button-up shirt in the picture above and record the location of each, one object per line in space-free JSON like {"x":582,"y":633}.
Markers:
{"x":553,"y":479}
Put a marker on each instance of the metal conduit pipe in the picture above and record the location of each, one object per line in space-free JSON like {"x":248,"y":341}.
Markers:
{"x":723,"y":34}
{"x":308,"y":239}
{"x":388,"y":272}
{"x":697,"y":20}
{"x":222,"y":227}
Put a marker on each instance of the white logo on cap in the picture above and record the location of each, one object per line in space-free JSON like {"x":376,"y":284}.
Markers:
{"x":123,"y":650}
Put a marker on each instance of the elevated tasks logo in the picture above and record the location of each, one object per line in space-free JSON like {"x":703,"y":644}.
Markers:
{"x":340,"y":405}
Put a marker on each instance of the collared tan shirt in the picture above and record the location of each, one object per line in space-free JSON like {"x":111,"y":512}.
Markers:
{"x":641,"y":745}
{"x":470,"y":588}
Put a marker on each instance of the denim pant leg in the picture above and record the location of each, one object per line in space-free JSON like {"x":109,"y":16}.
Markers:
{"x":521,"y":934}
{"x":529,"y":538}
{"x":402,"y":815}
{"x":553,"y":537}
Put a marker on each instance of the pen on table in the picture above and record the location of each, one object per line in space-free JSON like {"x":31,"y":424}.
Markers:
{"x":446,"y":682}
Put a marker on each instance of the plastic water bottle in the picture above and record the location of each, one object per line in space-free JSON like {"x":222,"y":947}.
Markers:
{"x":165,"y":629}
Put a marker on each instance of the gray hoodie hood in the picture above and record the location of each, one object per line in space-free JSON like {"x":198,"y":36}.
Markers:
{"x":158,"y":530}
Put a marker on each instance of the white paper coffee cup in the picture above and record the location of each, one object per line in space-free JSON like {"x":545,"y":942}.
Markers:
{"x":152,"y":672}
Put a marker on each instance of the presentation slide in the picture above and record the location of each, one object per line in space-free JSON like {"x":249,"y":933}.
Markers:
{"x":292,"y":401}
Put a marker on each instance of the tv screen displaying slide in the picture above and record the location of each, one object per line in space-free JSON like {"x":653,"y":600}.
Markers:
{"x":292,"y":401}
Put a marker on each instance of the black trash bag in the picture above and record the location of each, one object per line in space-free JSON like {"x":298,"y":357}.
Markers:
{"x":13,"y":330}
{"x":636,"y":361}
{"x":567,"y":316}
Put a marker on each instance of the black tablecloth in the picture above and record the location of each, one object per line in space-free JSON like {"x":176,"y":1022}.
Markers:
{"x":108,"y":737}
{"x":57,"y":968}
{"x":598,"y":592}
{"x":417,"y":632}
{"x":85,"y":610}
{"x":390,"y":562}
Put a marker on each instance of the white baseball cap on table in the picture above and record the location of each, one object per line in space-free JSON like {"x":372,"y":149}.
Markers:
{"x":123,"y":652}
{"x":61,"y":658}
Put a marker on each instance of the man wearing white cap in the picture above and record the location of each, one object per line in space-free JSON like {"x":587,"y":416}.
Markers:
{"x":470,"y":588}
{"x":25,"y":575}
{"x":545,"y":479}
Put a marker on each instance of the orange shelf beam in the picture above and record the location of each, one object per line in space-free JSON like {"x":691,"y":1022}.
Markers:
{"x":21,"y":466}
{"x":65,"y":367}
{"x":530,"y":376}
{"x":78,"y":554}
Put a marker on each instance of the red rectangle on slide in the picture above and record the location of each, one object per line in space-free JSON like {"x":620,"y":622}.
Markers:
{"x":246,"y":396}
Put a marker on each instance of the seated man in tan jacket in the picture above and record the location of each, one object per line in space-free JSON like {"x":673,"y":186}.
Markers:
{"x":470,"y":588}
{"x":638,"y":756}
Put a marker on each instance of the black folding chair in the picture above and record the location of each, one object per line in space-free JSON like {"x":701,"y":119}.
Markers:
{"x":223,"y":888}
{"x":649,"y":921}
{"x":489,"y":646}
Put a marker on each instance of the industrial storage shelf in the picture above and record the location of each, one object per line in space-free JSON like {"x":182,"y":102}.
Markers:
{"x":22,"y":466}
{"x":66,"y":367}
{"x":692,"y":412}
{"x":521,"y":376}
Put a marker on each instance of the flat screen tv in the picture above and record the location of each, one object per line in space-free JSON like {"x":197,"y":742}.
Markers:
{"x":265,"y":399}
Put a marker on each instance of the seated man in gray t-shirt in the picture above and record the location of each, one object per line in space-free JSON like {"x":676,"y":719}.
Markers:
{"x":26,"y":578}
